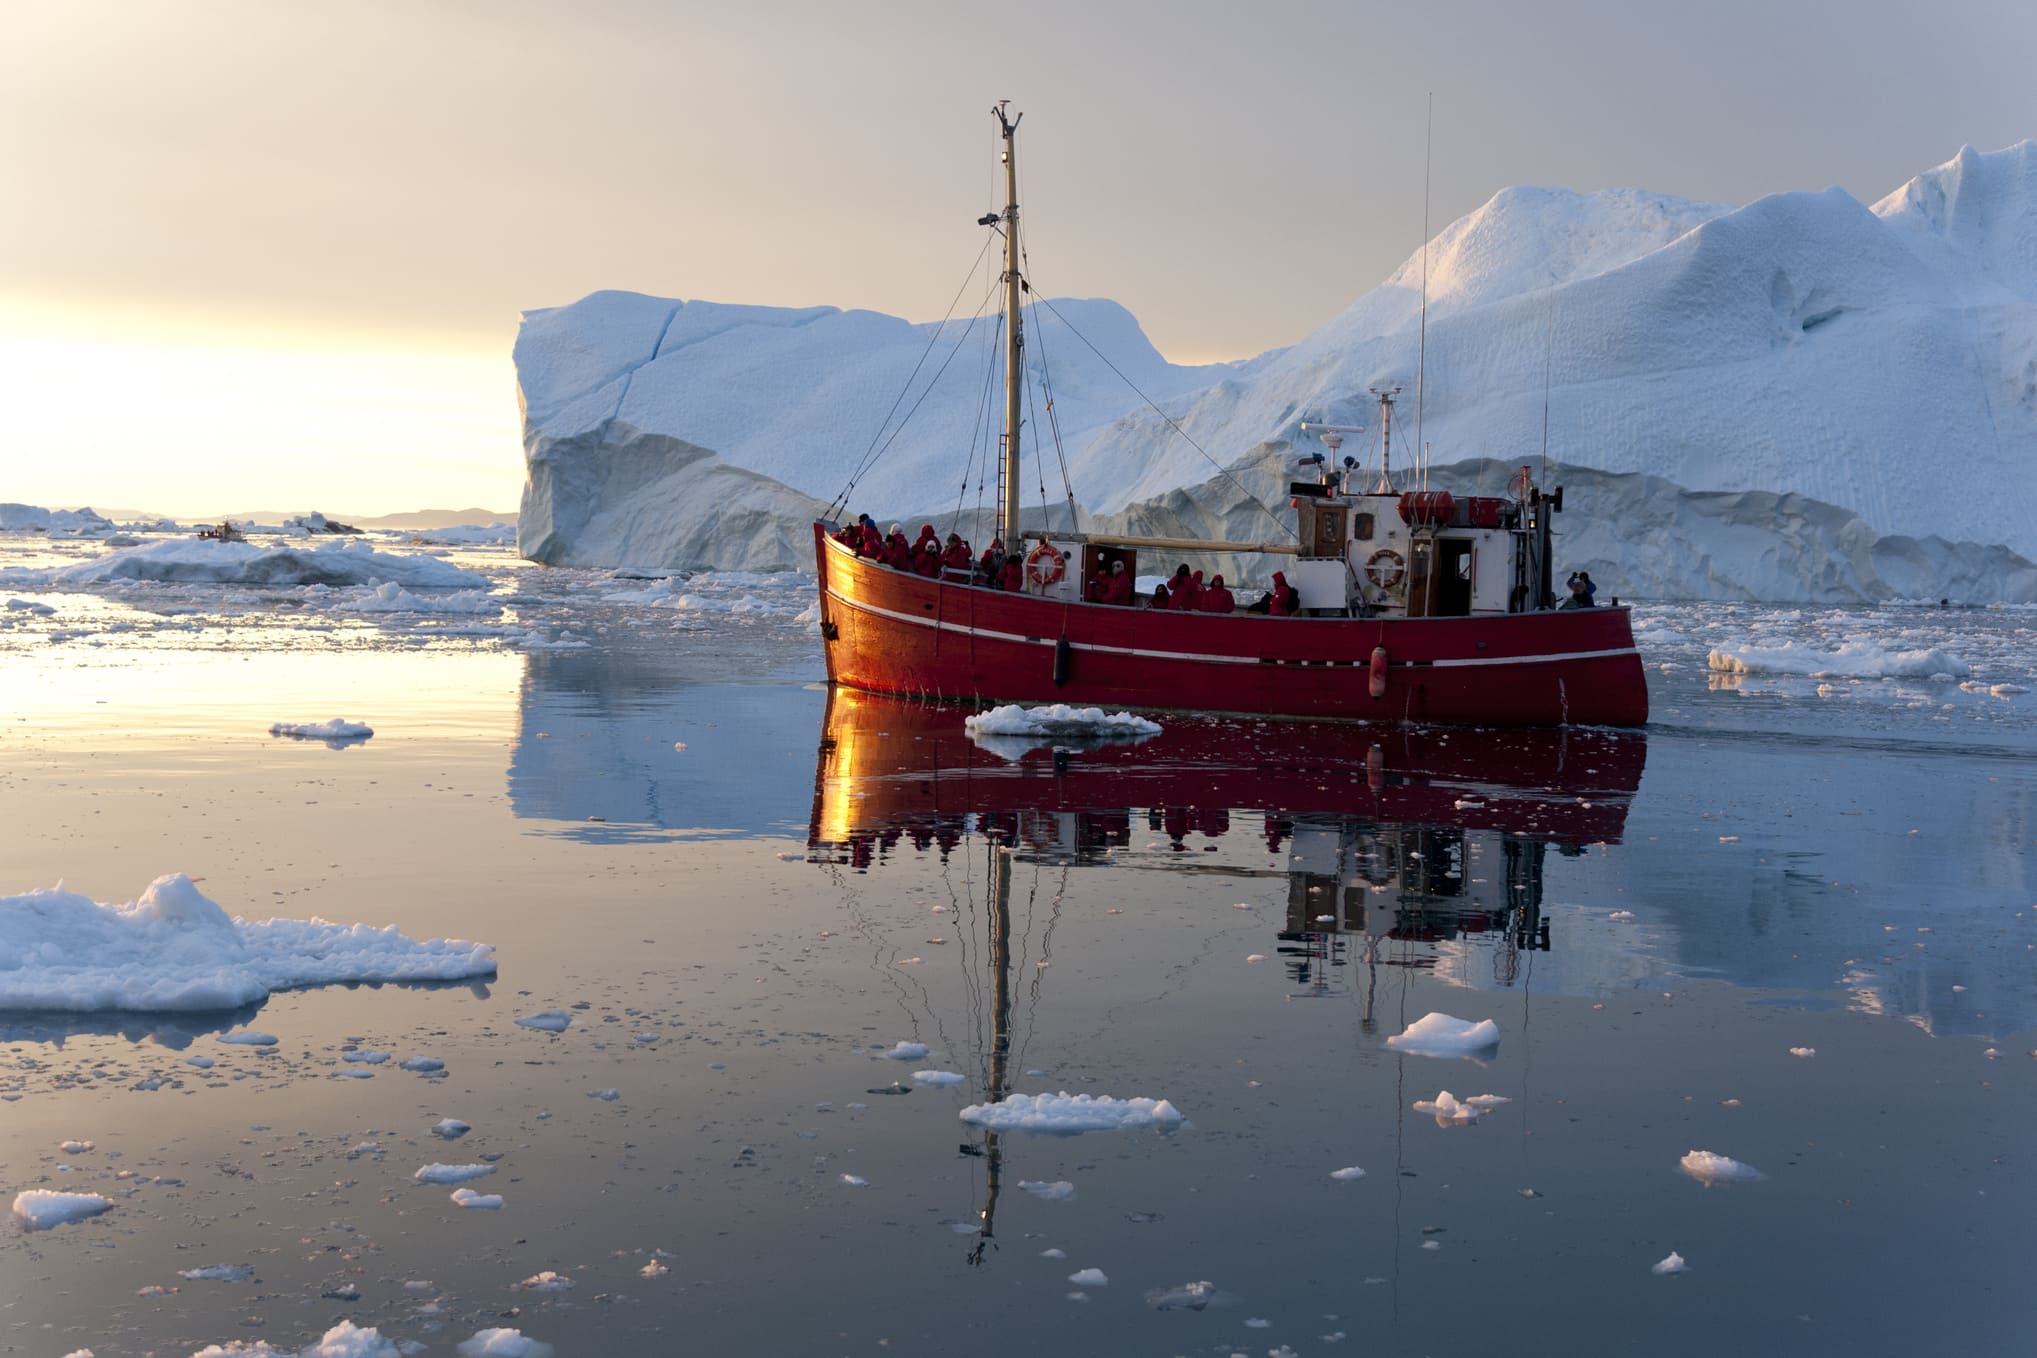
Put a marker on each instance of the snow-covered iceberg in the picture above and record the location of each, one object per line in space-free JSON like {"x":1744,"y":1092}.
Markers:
{"x":337,"y":562}
{"x":175,"y":949}
{"x":1778,"y":366}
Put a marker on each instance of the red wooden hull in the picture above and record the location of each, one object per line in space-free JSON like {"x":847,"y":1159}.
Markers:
{"x":887,"y":631}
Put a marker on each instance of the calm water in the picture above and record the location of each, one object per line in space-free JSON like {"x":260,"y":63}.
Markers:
{"x":746,"y":893}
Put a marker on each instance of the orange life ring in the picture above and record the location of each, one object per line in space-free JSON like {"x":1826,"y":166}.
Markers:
{"x":1386,"y":568}
{"x":1045,"y":565}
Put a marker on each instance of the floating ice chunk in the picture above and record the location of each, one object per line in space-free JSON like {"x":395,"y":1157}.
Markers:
{"x":424,"y":1063}
{"x":1347,"y":1174}
{"x":353,"y":1075}
{"x":605,"y":1095}
{"x":1187,"y":1297}
{"x":1450,"y":1111}
{"x":548,"y":1281}
{"x":501,"y":1343}
{"x":2006,"y":690}
{"x":1258,"y":1323}
{"x":41,"y":1210}
{"x":339,"y":728}
{"x":436,"y":1173}
{"x":343,"y":1340}
{"x":1066,"y":1114}
{"x":908,"y":1051}
{"x":1621,"y":917}
{"x":467,"y":1197}
{"x":249,"y":1039}
{"x":366,"y":1058}
{"x":1255,"y":957}
{"x":1088,"y":1277}
{"x":175,"y":949}
{"x":202,"y":1062}
{"x":1854,"y":660}
{"x":1059,"y":1191}
{"x":1441,"y":1035}
{"x":219,"y":1273}
{"x":1803,"y":1051}
{"x":1055,"y":719}
{"x":547,"y":1021}
{"x":450,"y":1129}
{"x":75,"y":1147}
{"x":855,"y":1181}
{"x":1673,"y":1264}
{"x":1709,"y":1167}
{"x":1051,"y":1253}
{"x":654,"y":1269}
{"x":938,"y":1078}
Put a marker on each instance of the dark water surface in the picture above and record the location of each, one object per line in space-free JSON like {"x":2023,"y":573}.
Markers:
{"x":1232,"y":917}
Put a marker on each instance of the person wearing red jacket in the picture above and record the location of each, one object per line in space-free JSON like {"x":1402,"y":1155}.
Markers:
{"x":955,"y":558}
{"x":1118,"y":588}
{"x":1282,"y":601}
{"x":927,"y":560}
{"x":991,"y":564}
{"x":1011,"y":577}
{"x":1217,"y":599}
{"x":897,"y":552}
{"x":1178,"y":587}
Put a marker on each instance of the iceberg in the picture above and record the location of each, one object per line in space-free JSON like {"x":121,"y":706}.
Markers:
{"x":1746,"y":386}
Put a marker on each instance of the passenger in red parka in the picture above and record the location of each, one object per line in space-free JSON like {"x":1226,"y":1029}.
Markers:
{"x":897,"y":551}
{"x":1217,"y":599}
{"x":1118,"y":589}
{"x":1012,"y":577}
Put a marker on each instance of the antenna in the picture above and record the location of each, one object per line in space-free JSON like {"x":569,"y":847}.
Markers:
{"x":1385,"y":395}
{"x":1332,"y":436}
{"x":1422,"y":352}
{"x":1548,"y":360}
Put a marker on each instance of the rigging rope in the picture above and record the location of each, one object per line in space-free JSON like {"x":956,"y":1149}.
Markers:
{"x":1171,"y":422}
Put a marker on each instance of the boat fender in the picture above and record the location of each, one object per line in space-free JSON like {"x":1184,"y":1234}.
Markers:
{"x":1044,"y":566}
{"x":1385,"y":568}
{"x":1063,"y":652}
{"x":1378,"y":681}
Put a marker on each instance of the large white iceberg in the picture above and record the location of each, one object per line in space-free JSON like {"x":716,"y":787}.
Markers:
{"x":337,"y":562}
{"x":175,"y":949}
{"x":1772,"y":368}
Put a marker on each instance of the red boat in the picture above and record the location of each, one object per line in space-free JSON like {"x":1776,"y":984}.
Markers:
{"x":1405,"y":604}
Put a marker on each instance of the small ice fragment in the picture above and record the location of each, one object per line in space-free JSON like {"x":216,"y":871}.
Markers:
{"x":365,"y":1058}
{"x":1088,"y":1277}
{"x":1241,"y":905}
{"x":1347,"y":1174}
{"x":1067,"y":1114}
{"x":1060,"y":1191}
{"x":1078,"y":1296}
{"x":424,"y":1063}
{"x":495,"y":1343}
{"x":855,"y":1181}
{"x":1326,"y":919}
{"x":450,"y":1129}
{"x":549,"y":1021}
{"x":467,"y":1197}
{"x":41,"y":1210}
{"x":1729,"y":839}
{"x":938,"y":1078}
{"x":353,"y":1075}
{"x":219,"y":1273}
{"x":338,"y":729}
{"x":1051,"y":1253}
{"x":1187,"y":1297}
{"x":548,"y":1281}
{"x":74,"y":1147}
{"x":249,"y":1039}
{"x":1803,"y":1051}
{"x":654,"y":1269}
{"x":1709,"y":1167}
{"x":792,"y":858}
{"x":1256,"y":957}
{"x":1621,"y":917}
{"x":1258,"y":1323}
{"x":436,"y":1173}
{"x":1432,"y":1244}
{"x":1441,"y":1035}
{"x":1673,"y":1264}
{"x":908,"y":1051}
{"x":605,"y":1095}
{"x":1450,"y":1111}
{"x":202,"y":1062}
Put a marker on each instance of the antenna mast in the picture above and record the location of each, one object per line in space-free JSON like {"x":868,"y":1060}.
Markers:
{"x":1422,"y":352}
{"x":1385,"y":395}
{"x":1014,"y":344}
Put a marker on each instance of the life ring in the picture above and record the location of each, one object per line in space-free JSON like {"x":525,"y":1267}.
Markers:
{"x":1386,"y":568}
{"x":1044,"y":566}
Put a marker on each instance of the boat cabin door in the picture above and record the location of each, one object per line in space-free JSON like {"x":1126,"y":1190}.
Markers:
{"x":1453,"y":578}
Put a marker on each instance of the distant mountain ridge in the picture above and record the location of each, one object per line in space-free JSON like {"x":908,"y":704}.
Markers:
{"x":1881,"y":359}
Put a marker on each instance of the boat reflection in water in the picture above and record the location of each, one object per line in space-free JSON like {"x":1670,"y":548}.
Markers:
{"x":1392,"y":840}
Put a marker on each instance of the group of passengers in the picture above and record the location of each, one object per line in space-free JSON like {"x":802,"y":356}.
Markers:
{"x":953,"y":561}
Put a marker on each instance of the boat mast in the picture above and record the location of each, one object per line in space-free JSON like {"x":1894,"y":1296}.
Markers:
{"x":1014,"y":342}
{"x":1000,"y":1036}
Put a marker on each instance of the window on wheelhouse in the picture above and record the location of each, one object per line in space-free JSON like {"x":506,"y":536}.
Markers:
{"x":1328,"y":538}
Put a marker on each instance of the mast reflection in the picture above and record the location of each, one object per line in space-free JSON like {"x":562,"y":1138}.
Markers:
{"x":1390,"y":835}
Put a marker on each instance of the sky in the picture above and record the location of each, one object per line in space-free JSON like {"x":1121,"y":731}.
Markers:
{"x":268,"y":254}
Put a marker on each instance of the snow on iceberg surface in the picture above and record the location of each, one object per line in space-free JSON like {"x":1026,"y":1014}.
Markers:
{"x":175,"y":949}
{"x":40,"y":1209}
{"x":1441,"y":1035}
{"x":339,"y":562}
{"x":1067,"y":1114}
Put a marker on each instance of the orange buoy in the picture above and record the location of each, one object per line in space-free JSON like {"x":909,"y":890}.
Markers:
{"x":1378,"y":685}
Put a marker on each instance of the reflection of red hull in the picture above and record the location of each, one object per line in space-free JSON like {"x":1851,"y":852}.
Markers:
{"x":887,"y":763}
{"x":891,"y":632}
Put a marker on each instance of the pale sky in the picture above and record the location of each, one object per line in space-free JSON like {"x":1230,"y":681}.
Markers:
{"x":271,"y":254}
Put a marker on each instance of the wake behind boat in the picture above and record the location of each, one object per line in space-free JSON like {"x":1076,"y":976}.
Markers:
{"x":1400,"y":603}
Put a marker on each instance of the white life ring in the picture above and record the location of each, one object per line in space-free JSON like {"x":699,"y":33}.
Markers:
{"x":1045,"y":565}
{"x":1385,"y":568}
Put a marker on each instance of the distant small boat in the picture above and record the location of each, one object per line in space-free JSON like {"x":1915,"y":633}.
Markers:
{"x":1406,"y":603}
{"x":223,"y":532}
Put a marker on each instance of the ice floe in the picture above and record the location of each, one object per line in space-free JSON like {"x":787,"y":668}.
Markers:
{"x":1088,"y":1277}
{"x":547,"y":1281}
{"x":175,"y":949}
{"x":1709,"y":1167}
{"x":1058,"y":1191}
{"x":75,"y":1147}
{"x":249,"y":1038}
{"x":450,"y":1129}
{"x":219,"y":1273}
{"x":1451,"y":1111}
{"x":547,"y":1021}
{"x":1673,"y":1264}
{"x":908,"y":1051}
{"x":501,"y":1343}
{"x":1441,"y":1035}
{"x":1066,"y":1114}
{"x":423,"y":1065}
{"x":336,"y":729}
{"x":41,"y":1209}
{"x":344,"y":1340}
{"x":938,"y":1078}
{"x":193,"y":560}
{"x":1853,"y":660}
{"x":467,"y":1197}
{"x":436,"y":1173}
{"x":1058,"y":719}
{"x":1347,"y":1174}
{"x":1186,"y":1297}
